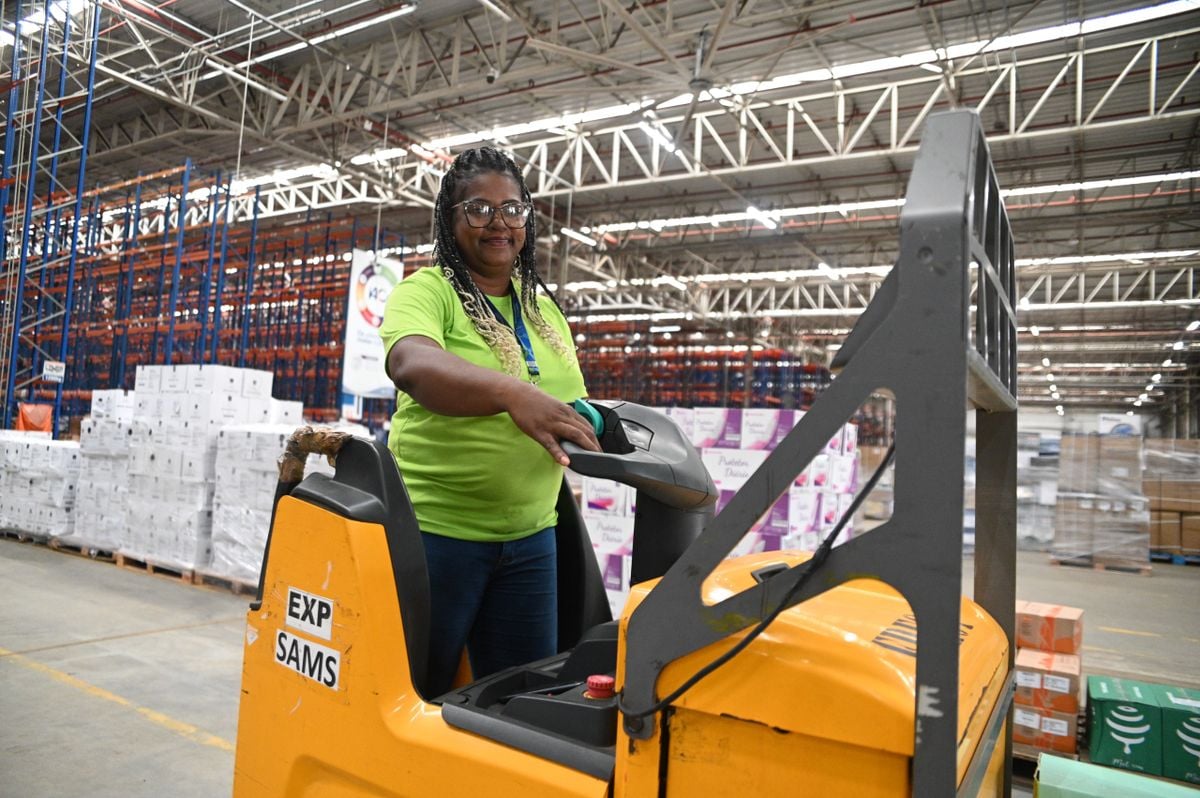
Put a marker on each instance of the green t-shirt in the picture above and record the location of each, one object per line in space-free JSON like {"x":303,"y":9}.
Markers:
{"x":474,"y":477}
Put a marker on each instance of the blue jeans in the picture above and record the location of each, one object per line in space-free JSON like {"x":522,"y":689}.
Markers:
{"x":498,"y":600}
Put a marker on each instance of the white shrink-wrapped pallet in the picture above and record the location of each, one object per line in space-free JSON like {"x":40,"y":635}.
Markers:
{"x":39,"y":482}
{"x":103,"y":490}
{"x":246,"y":477}
{"x":180,"y":411}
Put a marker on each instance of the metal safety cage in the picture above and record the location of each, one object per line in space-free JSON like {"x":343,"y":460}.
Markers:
{"x":940,"y":336}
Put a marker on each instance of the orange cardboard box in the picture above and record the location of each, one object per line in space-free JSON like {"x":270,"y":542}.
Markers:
{"x":1045,"y":729}
{"x":1047,"y":681}
{"x":1049,"y":627}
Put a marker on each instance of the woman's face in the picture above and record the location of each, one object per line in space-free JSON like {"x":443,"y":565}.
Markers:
{"x":490,"y":251}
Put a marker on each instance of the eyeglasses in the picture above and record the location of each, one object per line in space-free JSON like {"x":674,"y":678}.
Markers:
{"x":480,"y":214}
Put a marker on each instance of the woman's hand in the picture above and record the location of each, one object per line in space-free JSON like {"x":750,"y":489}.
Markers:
{"x":548,"y":421}
{"x":447,"y":384}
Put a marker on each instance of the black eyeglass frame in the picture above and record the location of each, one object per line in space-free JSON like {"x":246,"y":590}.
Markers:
{"x":526,"y":207}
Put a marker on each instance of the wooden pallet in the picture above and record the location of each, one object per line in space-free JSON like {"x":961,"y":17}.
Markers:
{"x":236,"y":586}
{"x":1101,"y":565}
{"x":81,"y":551}
{"x":22,"y":536}
{"x":185,"y":575}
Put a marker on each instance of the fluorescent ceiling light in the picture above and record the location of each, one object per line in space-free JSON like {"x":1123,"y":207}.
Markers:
{"x":658,"y":136}
{"x":379,"y":156}
{"x":762,"y":218}
{"x":924,"y":59}
{"x":292,"y":47}
{"x":580,"y":237}
{"x":844,"y":208}
{"x":1093,"y":185}
{"x":495,"y":9}
{"x":1193,"y":326}
{"x":1178,"y":346}
{"x":1046,"y":362}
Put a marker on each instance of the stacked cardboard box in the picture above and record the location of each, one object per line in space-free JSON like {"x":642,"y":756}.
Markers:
{"x":180,"y":411}
{"x":733,"y":443}
{"x":1048,"y":676}
{"x":103,"y":495}
{"x":1149,"y":728}
{"x":1102,"y":515}
{"x":40,"y":477}
{"x":1172,"y":485}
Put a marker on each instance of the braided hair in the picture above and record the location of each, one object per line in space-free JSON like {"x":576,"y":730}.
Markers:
{"x":500,"y":339}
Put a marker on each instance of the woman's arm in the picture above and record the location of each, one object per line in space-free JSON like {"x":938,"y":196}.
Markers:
{"x":446,"y":384}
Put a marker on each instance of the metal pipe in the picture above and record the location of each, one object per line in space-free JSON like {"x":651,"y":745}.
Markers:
{"x":14,"y":349}
{"x":180,"y":226}
{"x":50,"y":232}
{"x":68,"y":300}
{"x":249,"y":287}
{"x":217,"y":300}
{"x":199,"y":349}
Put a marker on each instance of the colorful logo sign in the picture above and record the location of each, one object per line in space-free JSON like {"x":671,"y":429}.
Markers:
{"x":1127,"y":726}
{"x":371,"y":290}
{"x":1191,"y":740}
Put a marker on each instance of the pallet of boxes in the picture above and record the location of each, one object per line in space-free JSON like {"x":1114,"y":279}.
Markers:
{"x":1048,"y":675}
{"x":733,"y":443}
{"x":180,"y":411}
{"x":1172,"y":485}
{"x":1102,"y":516}
{"x":1146,"y":728}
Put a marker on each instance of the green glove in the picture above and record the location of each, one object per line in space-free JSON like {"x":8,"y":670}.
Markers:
{"x":583,"y":408}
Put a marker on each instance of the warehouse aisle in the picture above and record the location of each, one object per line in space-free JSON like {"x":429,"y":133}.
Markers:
{"x":115,"y":683}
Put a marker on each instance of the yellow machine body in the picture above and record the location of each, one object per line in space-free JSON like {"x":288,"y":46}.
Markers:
{"x":371,"y":735}
{"x":821,"y":704}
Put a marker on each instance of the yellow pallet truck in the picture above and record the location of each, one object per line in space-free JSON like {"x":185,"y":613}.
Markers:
{"x":859,"y":670}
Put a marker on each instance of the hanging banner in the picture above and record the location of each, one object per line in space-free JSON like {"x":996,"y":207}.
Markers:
{"x":371,"y":281}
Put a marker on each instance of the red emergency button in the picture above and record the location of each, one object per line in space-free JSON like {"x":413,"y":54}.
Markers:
{"x":600,"y":685}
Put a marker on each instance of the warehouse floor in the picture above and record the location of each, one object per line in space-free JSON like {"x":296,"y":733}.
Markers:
{"x":116,"y":683}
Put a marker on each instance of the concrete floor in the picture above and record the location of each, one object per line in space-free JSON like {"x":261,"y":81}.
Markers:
{"x":117,"y":683}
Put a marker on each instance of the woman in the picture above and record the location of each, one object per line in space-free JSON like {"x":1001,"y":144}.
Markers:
{"x":484,"y":368}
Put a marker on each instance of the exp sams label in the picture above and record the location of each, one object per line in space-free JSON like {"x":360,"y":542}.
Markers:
{"x":310,"y":613}
{"x":314,"y":661}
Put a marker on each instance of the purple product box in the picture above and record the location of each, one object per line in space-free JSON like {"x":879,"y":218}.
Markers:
{"x":776,"y":522}
{"x":816,"y":474}
{"x":730,"y":468}
{"x":615,"y":571}
{"x":850,"y":439}
{"x":841,"y":473}
{"x":765,"y":428}
{"x":803,"y":506}
{"x":718,"y":427}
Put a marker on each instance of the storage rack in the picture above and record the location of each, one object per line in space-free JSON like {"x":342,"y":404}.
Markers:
{"x":41,"y":222}
{"x":164,"y":276}
{"x":693,"y":367}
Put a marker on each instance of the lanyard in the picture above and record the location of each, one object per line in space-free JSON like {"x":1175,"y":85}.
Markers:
{"x":518,"y":328}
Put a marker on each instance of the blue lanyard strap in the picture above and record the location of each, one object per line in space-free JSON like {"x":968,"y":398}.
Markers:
{"x":518,"y":328}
